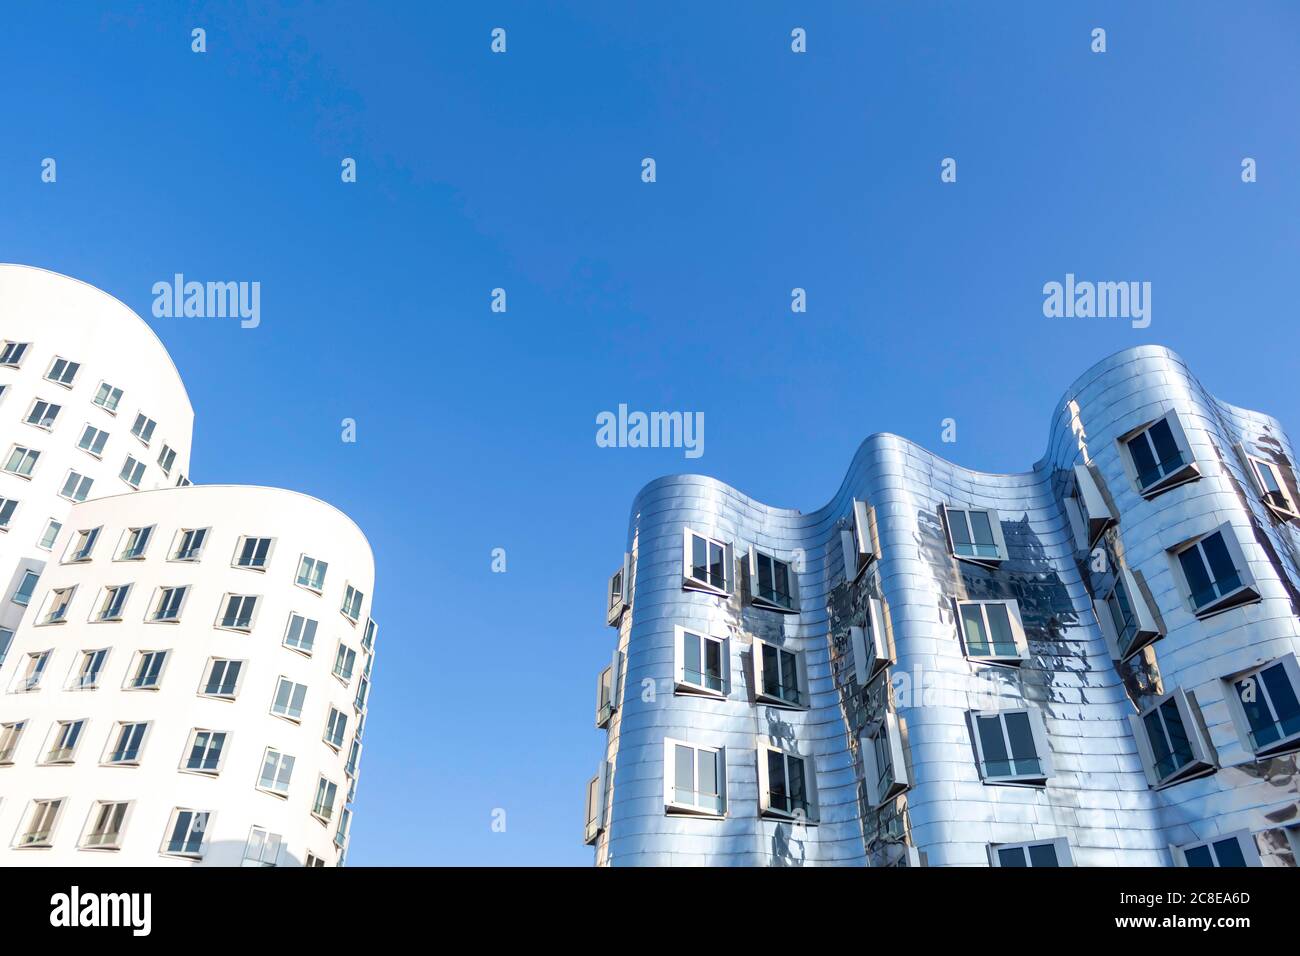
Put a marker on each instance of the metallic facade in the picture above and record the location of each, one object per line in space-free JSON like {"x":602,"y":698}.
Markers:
{"x":1098,"y":802}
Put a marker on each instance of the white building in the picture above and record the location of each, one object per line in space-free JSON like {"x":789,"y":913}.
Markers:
{"x":183,"y":669}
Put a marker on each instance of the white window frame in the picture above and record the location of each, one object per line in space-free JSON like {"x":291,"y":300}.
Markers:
{"x":620,"y":592}
{"x":352,"y":595}
{"x":143,"y":428}
{"x":131,"y":534}
{"x":97,"y":809}
{"x":35,"y":576}
{"x":156,"y":604}
{"x":1015,"y":621}
{"x":135,"y":468}
{"x":190,"y":743}
{"x":77,"y":677}
{"x":81,"y":486}
{"x":1245,"y":839}
{"x":167,"y":459}
{"x":792,"y":576}
{"x":1190,"y":470}
{"x":1291,"y":669}
{"x":1060,"y":844}
{"x":316,"y":565}
{"x":81,"y":547}
{"x":55,"y":603}
{"x":607,"y":688}
{"x":26,"y":823}
{"x":681,"y":683}
{"x":765,"y":807}
{"x":1285,"y":509}
{"x":891,"y":729}
{"x":27,"y":680}
{"x":108,"y":400}
{"x":99,"y":438}
{"x":226,"y":600}
{"x":55,"y":755}
{"x":594,"y":804}
{"x":45,"y":422}
{"x":995,"y":528}
{"x":115,"y":736}
{"x":1147,"y":628}
{"x":1089,"y":508}
{"x":324,"y":811}
{"x":239,"y":548}
{"x":674,"y":806}
{"x":1246,"y":593}
{"x":858,"y":544}
{"x":12,"y":733}
{"x":342,"y":732}
{"x":196,"y":825}
{"x":58,"y":528}
{"x":7,"y":508}
{"x":68,"y":382}
{"x":1042,"y":749}
{"x":174,"y":554}
{"x":137,"y":661}
{"x":760,"y":673}
{"x":690,"y":583}
{"x":28,"y":456}
{"x":275,"y":788}
{"x":8,"y":347}
{"x":346,"y":651}
{"x":205,"y":678}
{"x":260,"y":842}
{"x":107,"y":594}
{"x":288,"y":714}
{"x":1203,"y":760}
{"x":308,"y":624}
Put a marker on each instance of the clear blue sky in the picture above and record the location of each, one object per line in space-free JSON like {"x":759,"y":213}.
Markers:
{"x":477,"y":430}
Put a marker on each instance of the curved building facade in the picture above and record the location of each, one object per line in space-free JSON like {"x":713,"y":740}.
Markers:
{"x":1092,"y":663}
{"x":184,"y":669}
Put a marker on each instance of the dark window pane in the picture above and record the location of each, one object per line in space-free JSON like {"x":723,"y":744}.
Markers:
{"x":1199,"y":856}
{"x":1229,"y":852}
{"x":1012,"y":856}
{"x":1043,"y":854}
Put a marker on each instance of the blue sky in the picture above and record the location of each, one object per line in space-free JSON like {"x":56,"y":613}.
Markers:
{"x":476,"y":429}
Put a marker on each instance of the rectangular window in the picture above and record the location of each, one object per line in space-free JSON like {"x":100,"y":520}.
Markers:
{"x":992,"y":631}
{"x":108,"y":820}
{"x":240,"y":611}
{"x":253,"y":553}
{"x":114,"y":602}
{"x":7,"y":508}
{"x":368,"y":636}
{"x":336,"y":727}
{"x":1171,"y":742}
{"x":89,"y":670}
{"x":289,"y":698}
{"x":11,"y":353}
{"x":82,"y":545}
{"x":703,"y":663}
{"x":607,"y":690}
{"x":132,"y":471}
{"x":33,"y":671}
{"x":858,"y":542}
{"x":262,"y":848}
{"x":311,"y":573}
{"x":143,"y":427}
{"x":884,"y":761}
{"x":108,"y":397}
{"x":1235,"y":849}
{"x":975,"y":534}
{"x":76,"y":487}
{"x":41,"y":821}
{"x":872,"y":649}
{"x":345,"y":660}
{"x":301,"y":634}
{"x":772,"y":583}
{"x":354,"y":759}
{"x":60,"y":600}
{"x":136,"y":543}
{"x":1011,"y":746}
{"x":26,"y":588}
{"x":50,"y":535}
{"x":148,"y":670}
{"x":170,"y":602}
{"x":785,"y":785}
{"x":351,"y":608}
{"x":21,"y":461}
{"x":63,"y":745}
{"x":1125,"y":616}
{"x":1271,"y":481}
{"x":1265,"y":706}
{"x":63,"y":372}
{"x":206,"y":749}
{"x":1038,"y":853}
{"x":186,"y":833}
{"x":277,"y":770}
{"x":223,"y":678}
{"x":620,"y":589}
{"x":1160,"y":455}
{"x":6,"y":639}
{"x":189,"y":544}
{"x":127,"y":744}
{"x":10,"y":735}
{"x":708,"y":564}
{"x":326,"y":794}
{"x":166,"y":459}
{"x":1213,"y":572}
{"x":363,"y":693}
{"x":93,"y":440}
{"x":695,"y":779}
{"x":594,"y":813}
{"x":42,"y":414}
{"x":1089,"y":508}
{"x":780,"y":678}
{"x":341,"y":834}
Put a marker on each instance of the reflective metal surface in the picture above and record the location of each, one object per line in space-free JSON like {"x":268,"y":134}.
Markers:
{"x":1097,"y":798}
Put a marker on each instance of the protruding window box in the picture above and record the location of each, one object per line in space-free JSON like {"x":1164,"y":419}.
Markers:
{"x":594,"y":814}
{"x":884,"y":760}
{"x":992,"y":632}
{"x":1213,"y":573}
{"x":1011,"y":747}
{"x":1172,"y":741}
{"x":871,"y":645}
{"x":1089,"y":508}
{"x":620,"y":592}
{"x":1158,"y":456}
{"x":1125,"y":616}
{"x":1264,"y":703}
{"x":695,"y":779}
{"x":975,"y":535}
{"x":702,"y":663}
{"x":858,"y":543}
{"x":1274,"y":483}
{"x":708,"y":564}
{"x":1232,"y":850}
{"x":607,"y":686}
{"x":780,"y":676}
{"x":787,"y":786}
{"x":773,"y":583}
{"x":1046,"y":853}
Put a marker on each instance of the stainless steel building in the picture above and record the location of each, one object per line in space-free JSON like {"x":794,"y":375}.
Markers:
{"x":1092,"y":663}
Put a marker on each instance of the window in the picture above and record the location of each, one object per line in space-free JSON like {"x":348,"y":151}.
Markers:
{"x":772,"y":583}
{"x":57,"y":606}
{"x":93,"y":440}
{"x":83,"y":545}
{"x":186,"y":832}
{"x":786,"y":789}
{"x":1265,"y":706}
{"x":992,"y":631}
{"x":708,"y":564}
{"x":26,"y":588}
{"x":858,"y":543}
{"x":167,"y":458}
{"x":182,"y":481}
{"x":1089,"y":508}
{"x":50,"y":535}
{"x":42,"y":414}
{"x":76,"y":486}
{"x":345,"y":660}
{"x":341,"y":834}
{"x":368,"y":636}
{"x":33,"y":671}
{"x":10,"y":734}
{"x":7,"y":508}
{"x":1171,"y":743}
{"x":1213,"y":573}
{"x":136,"y":543}
{"x":189,"y":544}
{"x":703,"y":663}
{"x":253,"y":553}
{"x":620,"y":592}
{"x":1125,"y":617}
{"x":143,"y":427}
{"x":132,"y":471}
{"x":695,"y":779}
{"x":1040,"y":853}
{"x":313,"y":861}
{"x":326,"y":793}
{"x":262,"y":848}
{"x":351,"y":608}
{"x":148,"y":671}
{"x":11,"y":353}
{"x":206,"y":749}
{"x":883,"y":760}
{"x":277,"y":769}
{"x":108,"y":397}
{"x":354,"y":759}
{"x":63,"y":745}
{"x":872,"y":649}
{"x":311,"y":573}
{"x":1274,"y":489}
{"x":336,"y":727}
{"x":301,"y":634}
{"x":127,"y":744}
{"x":1235,"y":849}
{"x":780,"y":677}
{"x":1011,"y":746}
{"x":594,"y":814}
{"x":240,"y":612}
{"x":167,"y":608}
{"x":88,"y":671}
{"x":6,"y":639}
{"x":288,"y":699}
{"x":41,"y":821}
{"x":107,"y":821}
{"x":110,"y":609}
{"x":63,"y":372}
{"x":223,"y":678}
{"x":1160,"y":456}
{"x":21,"y":461}
{"x":607,"y":690}
{"x":363,"y":692}
{"x":975,"y":534}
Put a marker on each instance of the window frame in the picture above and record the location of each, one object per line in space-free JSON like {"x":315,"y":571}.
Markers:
{"x":14,"y":730}
{"x":107,"y":594}
{"x":1059,"y":845}
{"x":96,"y":810}
{"x":317,"y":563}
{"x":344,"y":649}
{"x":289,"y":704}
{"x":754,"y":556}
{"x":337,"y":747}
{"x":1203,"y":761}
{"x":620,"y":599}
{"x":1089,"y":507}
{"x":90,"y":449}
{"x":45,"y":424}
{"x":205,"y":678}
{"x":68,"y":383}
{"x":894,"y":731}
{"x":192,"y":740}
{"x":26,"y":821}
{"x":288,"y":629}
{"x":324,"y":812}
{"x":48,"y":607}
{"x":1286,"y":509}
{"x":239,"y":547}
{"x":1246,"y":592}
{"x":137,"y":472}
{"x":765,"y":808}
{"x":607,"y":696}
{"x":115,"y":737}
{"x":359,"y":599}
{"x":116,"y":401}
{"x":137,"y":661}
{"x":8,"y":507}
{"x":1245,"y":840}
{"x":995,"y":528}
{"x":173,"y":821}
{"x":681,"y":685}
{"x":155,"y":605}
{"x":82,"y":482}
{"x":87,"y":655}
{"x":1014,"y":621}
{"x":268,"y":839}
{"x":29,"y":456}
{"x":143,"y":428}
{"x":25,"y":683}
{"x":174,"y":553}
{"x":273,"y":788}
{"x":761,"y":696}
{"x":45,"y":533}
{"x":1236,"y":710}
{"x":1147,"y":629}
{"x":690,"y":583}
{"x":128,"y":534}
{"x":81,"y":547}
{"x":11,"y":345}
{"x":1042,"y":748}
{"x":675,"y":807}
{"x":594,"y":805}
{"x":66,"y":754}
{"x":858,"y":545}
{"x":224,"y":607}
{"x":1187,"y":472}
